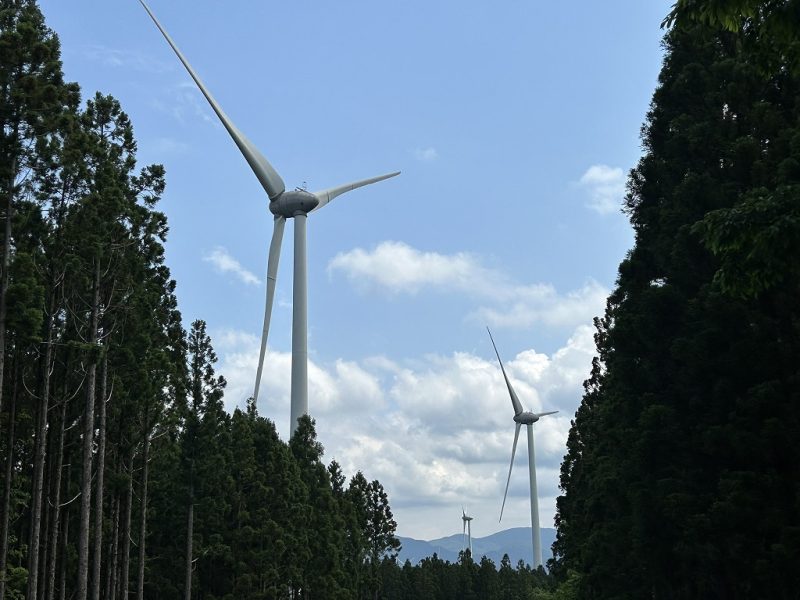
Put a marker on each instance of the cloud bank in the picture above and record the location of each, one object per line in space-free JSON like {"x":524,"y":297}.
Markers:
{"x":397,"y":268}
{"x":436,"y":432}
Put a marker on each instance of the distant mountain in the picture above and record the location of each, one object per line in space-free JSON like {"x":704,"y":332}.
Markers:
{"x":515,"y":542}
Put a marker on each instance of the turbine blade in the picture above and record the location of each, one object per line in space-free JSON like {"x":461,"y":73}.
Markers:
{"x":514,"y":400}
{"x":513,"y":451}
{"x":326,"y":196}
{"x":272,"y":274}
{"x":266,"y":174}
{"x":544,"y":414}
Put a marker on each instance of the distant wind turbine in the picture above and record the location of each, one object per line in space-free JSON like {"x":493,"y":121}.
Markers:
{"x":467,"y":528}
{"x":295,"y":204}
{"x":522,"y":417}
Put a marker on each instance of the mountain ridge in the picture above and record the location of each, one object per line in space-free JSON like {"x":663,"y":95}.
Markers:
{"x":516,"y":542}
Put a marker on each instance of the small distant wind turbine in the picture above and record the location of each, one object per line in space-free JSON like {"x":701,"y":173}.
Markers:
{"x":296,"y":204}
{"x":521,"y":418}
{"x":467,"y":528}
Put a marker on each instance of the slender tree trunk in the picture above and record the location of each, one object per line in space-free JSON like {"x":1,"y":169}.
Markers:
{"x":143,"y":501}
{"x":56,"y":509}
{"x":39,"y":461}
{"x":98,"y":495}
{"x":4,"y":278}
{"x":7,"y":487}
{"x":126,"y":532}
{"x":62,"y":579}
{"x":189,"y":534}
{"x":113,"y":546}
{"x":88,"y":439}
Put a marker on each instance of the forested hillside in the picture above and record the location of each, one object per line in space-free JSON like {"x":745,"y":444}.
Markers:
{"x":682,"y":477}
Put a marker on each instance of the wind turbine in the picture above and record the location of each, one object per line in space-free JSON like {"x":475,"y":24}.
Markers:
{"x":527,"y":418}
{"x":295,"y":204}
{"x":467,"y":527}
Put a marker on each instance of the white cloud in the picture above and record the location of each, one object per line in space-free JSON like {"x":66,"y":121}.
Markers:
{"x":426,"y":154}
{"x":436,"y":432}
{"x":223,"y":262}
{"x":129,"y":60}
{"x":606,"y":188}
{"x":398,"y":268}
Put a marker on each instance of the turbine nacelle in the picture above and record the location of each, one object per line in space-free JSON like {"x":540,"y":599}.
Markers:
{"x":526,"y":418}
{"x":292,"y":203}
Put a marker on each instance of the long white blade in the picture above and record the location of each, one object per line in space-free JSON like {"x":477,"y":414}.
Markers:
{"x":513,"y":451}
{"x":272,"y":274}
{"x":514,"y":400}
{"x":326,"y":196}
{"x":544,"y":414}
{"x":266,"y":174}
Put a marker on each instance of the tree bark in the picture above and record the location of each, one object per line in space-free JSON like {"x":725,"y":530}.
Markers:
{"x":4,"y":278}
{"x":126,"y":531}
{"x":7,"y":490}
{"x":189,"y":534}
{"x":56,"y":509}
{"x":39,"y":461}
{"x":88,"y":439}
{"x":143,"y":501}
{"x":98,"y":495}
{"x":62,"y":579}
{"x":113,"y":547}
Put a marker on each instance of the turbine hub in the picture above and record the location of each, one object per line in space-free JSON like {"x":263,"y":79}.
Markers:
{"x":525,"y":418}
{"x":294,"y":202}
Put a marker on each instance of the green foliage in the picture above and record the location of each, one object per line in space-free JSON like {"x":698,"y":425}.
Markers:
{"x":681,"y":474}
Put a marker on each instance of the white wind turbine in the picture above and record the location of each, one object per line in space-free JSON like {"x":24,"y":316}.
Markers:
{"x":521,"y":418}
{"x":466,"y":529}
{"x":296,"y":204}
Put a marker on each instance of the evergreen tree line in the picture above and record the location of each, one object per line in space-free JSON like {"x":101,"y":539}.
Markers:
{"x":682,"y":474}
{"x":122,"y":474}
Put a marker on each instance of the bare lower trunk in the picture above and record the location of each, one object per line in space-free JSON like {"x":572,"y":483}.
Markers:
{"x":126,"y":532}
{"x":7,"y":492}
{"x":113,"y":546}
{"x":62,"y":578}
{"x":98,"y":494}
{"x":4,"y":275}
{"x":143,"y":516}
{"x":56,"y":501}
{"x":189,"y":534}
{"x":88,"y":439}
{"x":38,"y":464}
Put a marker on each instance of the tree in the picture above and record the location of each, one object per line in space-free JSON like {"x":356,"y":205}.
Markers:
{"x":676,"y":479}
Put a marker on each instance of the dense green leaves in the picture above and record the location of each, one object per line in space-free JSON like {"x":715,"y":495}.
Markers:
{"x":681,"y":476}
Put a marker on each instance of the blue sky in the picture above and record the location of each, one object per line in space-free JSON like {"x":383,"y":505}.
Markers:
{"x":514,"y":125}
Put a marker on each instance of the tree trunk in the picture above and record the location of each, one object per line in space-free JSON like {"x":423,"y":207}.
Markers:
{"x":56,"y":509}
{"x":126,"y":531}
{"x":4,"y":277}
{"x":189,"y":534}
{"x":113,"y":547}
{"x":7,"y":489}
{"x":39,"y":460}
{"x":143,"y":501}
{"x":88,"y":438}
{"x":62,"y":579}
{"x":98,"y":494}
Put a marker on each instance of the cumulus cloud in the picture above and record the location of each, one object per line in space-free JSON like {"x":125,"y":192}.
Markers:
{"x":398,"y":268}
{"x":223,"y":262}
{"x":436,"y":432}
{"x":426,"y":154}
{"x":605,"y":186}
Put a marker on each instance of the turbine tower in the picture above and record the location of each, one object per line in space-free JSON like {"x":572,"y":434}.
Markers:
{"x":527,"y":418}
{"x":295,"y":204}
{"x":467,"y":528}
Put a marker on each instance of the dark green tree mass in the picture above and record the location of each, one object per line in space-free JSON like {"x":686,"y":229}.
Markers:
{"x":682,"y":474}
